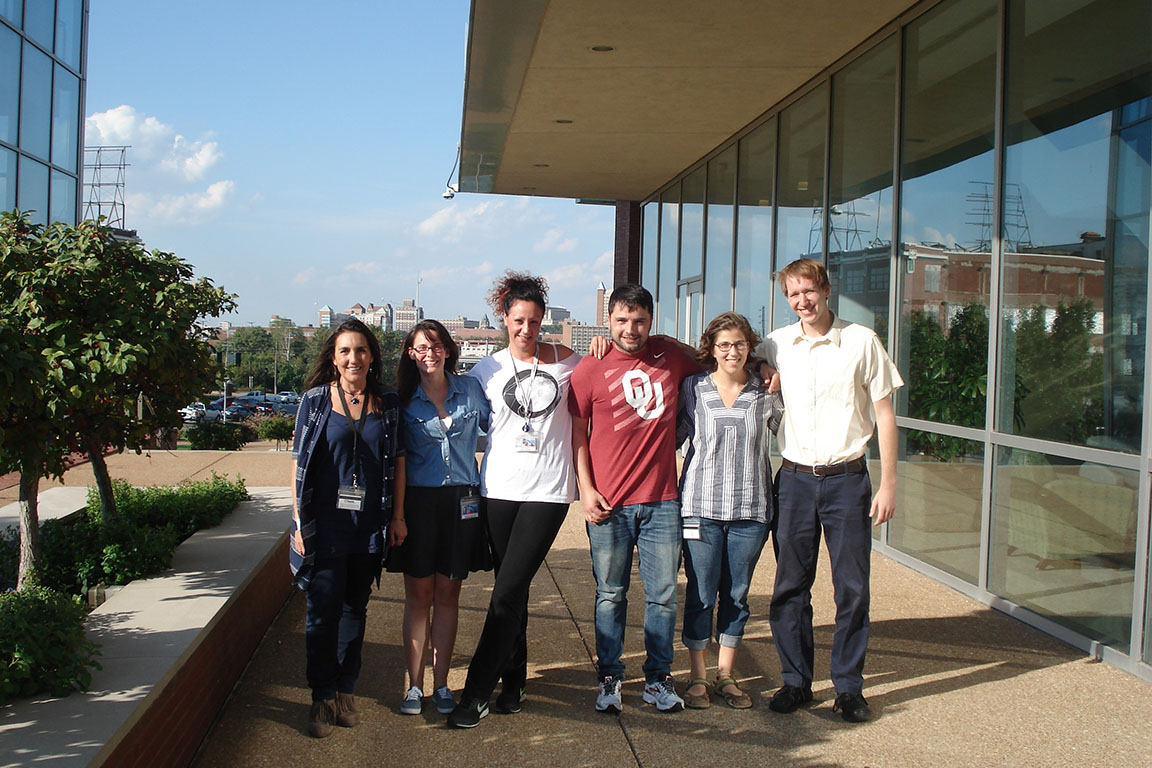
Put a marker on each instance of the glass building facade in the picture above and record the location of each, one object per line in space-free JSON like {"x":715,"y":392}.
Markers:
{"x":41,"y":107}
{"x":976,"y":178}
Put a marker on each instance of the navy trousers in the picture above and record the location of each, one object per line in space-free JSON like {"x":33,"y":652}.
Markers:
{"x":838,"y":506}
{"x":337,"y":615}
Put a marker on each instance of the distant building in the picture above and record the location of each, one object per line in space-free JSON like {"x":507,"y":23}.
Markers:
{"x":459,"y":322}
{"x":407,"y":315}
{"x":602,"y":295}
{"x":578,"y":336}
{"x":325,"y":316}
{"x":556,"y":315}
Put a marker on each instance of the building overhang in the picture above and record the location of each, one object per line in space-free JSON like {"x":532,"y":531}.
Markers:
{"x":547,"y":113}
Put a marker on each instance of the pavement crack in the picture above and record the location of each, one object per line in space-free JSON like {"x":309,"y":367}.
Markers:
{"x":591,"y":658}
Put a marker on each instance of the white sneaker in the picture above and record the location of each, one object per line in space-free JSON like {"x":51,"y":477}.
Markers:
{"x":662,"y":693}
{"x":413,"y":701}
{"x":608,"y":698}
{"x":444,"y":701}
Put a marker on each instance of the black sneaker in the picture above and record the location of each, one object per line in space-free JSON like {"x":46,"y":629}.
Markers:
{"x":468,"y":714}
{"x":509,"y":700}
{"x":789,"y":698}
{"x":852,"y":707}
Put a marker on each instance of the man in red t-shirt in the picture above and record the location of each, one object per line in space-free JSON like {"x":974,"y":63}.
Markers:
{"x":626,"y":465}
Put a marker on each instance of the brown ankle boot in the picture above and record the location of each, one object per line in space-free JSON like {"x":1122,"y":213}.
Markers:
{"x":347,"y":716}
{"x":321,"y":717}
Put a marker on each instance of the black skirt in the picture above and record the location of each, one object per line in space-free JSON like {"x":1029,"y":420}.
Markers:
{"x":439,"y":540}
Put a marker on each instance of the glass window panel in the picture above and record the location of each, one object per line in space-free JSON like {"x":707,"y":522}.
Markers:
{"x":33,"y":190}
{"x":35,"y":102}
{"x":860,"y":187}
{"x":69,"y":20}
{"x":65,"y":118}
{"x":63,"y":202}
{"x":692,"y":223}
{"x":39,"y":20}
{"x":669,"y":244}
{"x":718,"y":249}
{"x":1074,"y":286}
{"x":800,"y":187}
{"x":12,"y":10}
{"x":945,"y":213}
{"x":7,"y":179}
{"x":754,"y":288}
{"x":9,"y":85}
{"x":650,"y":222}
{"x":1064,"y":541}
{"x":939,"y":502}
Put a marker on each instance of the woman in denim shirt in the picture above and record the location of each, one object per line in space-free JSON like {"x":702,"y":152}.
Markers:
{"x":441,"y":527}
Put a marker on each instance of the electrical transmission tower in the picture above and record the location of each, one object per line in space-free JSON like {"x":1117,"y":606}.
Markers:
{"x":104,"y":181}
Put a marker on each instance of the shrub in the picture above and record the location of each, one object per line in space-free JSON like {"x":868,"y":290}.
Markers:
{"x":214,"y":436}
{"x":42,"y":644}
{"x":278,"y":428}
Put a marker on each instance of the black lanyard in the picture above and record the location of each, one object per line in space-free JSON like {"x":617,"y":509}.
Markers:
{"x":357,"y":426}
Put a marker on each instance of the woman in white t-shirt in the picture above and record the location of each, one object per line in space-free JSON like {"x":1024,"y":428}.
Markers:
{"x":527,"y":480}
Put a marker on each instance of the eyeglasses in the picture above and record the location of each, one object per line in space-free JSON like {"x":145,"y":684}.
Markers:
{"x":724,"y":347}
{"x":423,"y":349}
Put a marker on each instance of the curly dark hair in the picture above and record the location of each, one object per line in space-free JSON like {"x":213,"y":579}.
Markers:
{"x":728,"y":321}
{"x":518,"y":286}
{"x":407,"y":375}
{"x":323,"y":370}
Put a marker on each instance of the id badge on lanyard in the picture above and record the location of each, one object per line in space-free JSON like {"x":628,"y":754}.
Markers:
{"x":470,"y":505}
{"x":351,"y":498}
{"x":691,"y":529}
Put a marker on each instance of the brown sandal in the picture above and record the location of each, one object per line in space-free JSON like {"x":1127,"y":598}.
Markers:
{"x":738,"y":700}
{"x":699,"y":700}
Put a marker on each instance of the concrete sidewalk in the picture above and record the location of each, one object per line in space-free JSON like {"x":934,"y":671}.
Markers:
{"x":950,"y":681}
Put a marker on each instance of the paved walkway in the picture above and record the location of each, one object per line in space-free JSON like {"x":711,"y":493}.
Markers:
{"x":951,"y":682}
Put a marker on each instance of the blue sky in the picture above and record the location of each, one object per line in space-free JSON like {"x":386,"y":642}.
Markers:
{"x":296,"y":154}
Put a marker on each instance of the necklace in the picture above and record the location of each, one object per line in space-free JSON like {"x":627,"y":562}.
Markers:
{"x":355,"y":395}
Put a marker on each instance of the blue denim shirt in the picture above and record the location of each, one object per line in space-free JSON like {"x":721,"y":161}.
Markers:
{"x":437,"y":457}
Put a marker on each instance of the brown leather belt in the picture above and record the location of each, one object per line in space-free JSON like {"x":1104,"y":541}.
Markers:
{"x":824,"y":470}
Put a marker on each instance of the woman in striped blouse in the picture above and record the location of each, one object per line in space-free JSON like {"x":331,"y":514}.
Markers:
{"x":725,"y":498}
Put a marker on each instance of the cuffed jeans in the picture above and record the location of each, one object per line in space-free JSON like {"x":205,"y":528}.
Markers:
{"x":653,"y":530}
{"x":719,"y":566}
{"x":522,"y":533}
{"x":838,"y":504}
{"x":334,"y":627}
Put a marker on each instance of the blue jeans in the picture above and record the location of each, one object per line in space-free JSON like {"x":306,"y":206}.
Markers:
{"x":654,"y":531}
{"x":336,"y":618}
{"x":719,"y":566}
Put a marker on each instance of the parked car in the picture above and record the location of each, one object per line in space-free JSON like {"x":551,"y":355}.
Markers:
{"x":238,"y":412}
{"x":193,"y":412}
{"x":288,"y":397}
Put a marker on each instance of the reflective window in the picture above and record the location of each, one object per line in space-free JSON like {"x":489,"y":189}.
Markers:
{"x":648,"y":247}
{"x":669,"y":243}
{"x":69,"y":20}
{"x":939,"y":502}
{"x":860,"y":187}
{"x":692,"y":223}
{"x":33,"y":190}
{"x":718,"y":250}
{"x":63,"y":202}
{"x":65,"y":118}
{"x":9,"y":85}
{"x":35,"y":102}
{"x":946,"y":211}
{"x":1064,"y":541}
{"x":800,"y":187}
{"x":7,"y":179}
{"x":754,"y":289}
{"x":1074,"y":312}
{"x":39,"y":20}
{"x":12,"y":10}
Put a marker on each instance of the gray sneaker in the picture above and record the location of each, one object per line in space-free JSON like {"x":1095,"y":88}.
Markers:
{"x":608,"y":697}
{"x":413,"y":702}
{"x":662,"y":693}
{"x":444,"y":701}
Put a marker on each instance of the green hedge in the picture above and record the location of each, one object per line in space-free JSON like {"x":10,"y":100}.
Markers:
{"x":217,"y":436}
{"x":42,"y":644}
{"x":83,"y":551}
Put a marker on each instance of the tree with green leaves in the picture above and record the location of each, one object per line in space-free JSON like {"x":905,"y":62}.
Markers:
{"x":112,"y":346}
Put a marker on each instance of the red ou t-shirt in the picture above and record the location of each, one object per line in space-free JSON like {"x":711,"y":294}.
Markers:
{"x":632,"y":402}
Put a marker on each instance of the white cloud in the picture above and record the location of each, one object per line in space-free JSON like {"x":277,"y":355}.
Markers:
{"x":305,"y":277}
{"x":183,"y":208}
{"x":582,"y":273}
{"x":933,"y":235}
{"x":554,"y":241}
{"x":451,"y":223}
